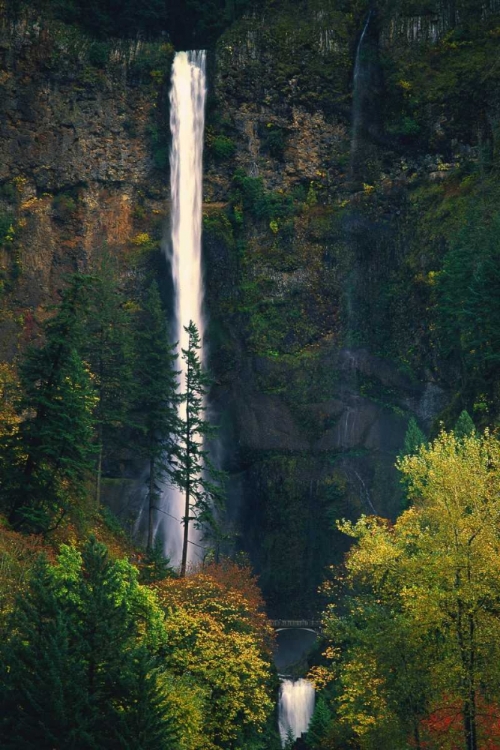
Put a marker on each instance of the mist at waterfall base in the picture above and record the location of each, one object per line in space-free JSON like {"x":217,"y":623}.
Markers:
{"x":297,"y":696}
{"x":187,"y":122}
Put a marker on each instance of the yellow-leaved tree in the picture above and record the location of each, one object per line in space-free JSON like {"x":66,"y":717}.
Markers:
{"x":419,"y":626}
{"x":217,"y":636}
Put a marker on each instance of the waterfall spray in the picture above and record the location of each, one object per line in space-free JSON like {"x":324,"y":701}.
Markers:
{"x":187,"y":121}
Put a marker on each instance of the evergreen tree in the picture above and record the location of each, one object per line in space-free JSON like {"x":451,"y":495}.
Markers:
{"x":464,"y":426}
{"x":80,"y":669}
{"x":195,"y":474}
{"x":146,"y":724}
{"x":156,"y":566}
{"x":42,"y":705}
{"x":47,"y":459}
{"x":320,"y":724}
{"x":290,"y":740}
{"x":109,"y":350}
{"x":414,"y":438}
{"x":156,"y":398}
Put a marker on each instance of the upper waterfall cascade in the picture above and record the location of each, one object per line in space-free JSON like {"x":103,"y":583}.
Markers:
{"x":187,"y":122}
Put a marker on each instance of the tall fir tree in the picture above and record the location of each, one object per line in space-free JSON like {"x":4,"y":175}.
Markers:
{"x":195,"y":474}
{"x":156,"y":399}
{"x":42,"y":705}
{"x":80,"y":669}
{"x":109,"y":350}
{"x":47,"y":459}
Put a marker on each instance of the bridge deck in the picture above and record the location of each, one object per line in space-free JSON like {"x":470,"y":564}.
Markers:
{"x":311,"y":624}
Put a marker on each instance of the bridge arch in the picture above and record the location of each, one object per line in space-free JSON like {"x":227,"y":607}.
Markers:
{"x":312,"y":626}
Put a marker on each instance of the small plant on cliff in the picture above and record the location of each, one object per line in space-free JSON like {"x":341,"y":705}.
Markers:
{"x":222,"y":147}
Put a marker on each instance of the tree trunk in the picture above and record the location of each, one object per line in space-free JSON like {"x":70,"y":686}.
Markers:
{"x":151,"y":502}
{"x":470,"y":729}
{"x":186,"y":532}
{"x":98,"y":475}
{"x":470,"y":704}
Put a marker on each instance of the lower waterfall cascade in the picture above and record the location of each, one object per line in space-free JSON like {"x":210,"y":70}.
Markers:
{"x":296,"y":707}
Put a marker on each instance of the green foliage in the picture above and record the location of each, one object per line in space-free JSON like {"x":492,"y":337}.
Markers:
{"x":7,"y":231}
{"x":108,"y":347}
{"x":80,"y":667}
{"x":259,"y":202}
{"x":274,"y":140}
{"x":319,"y":726}
{"x":46,"y":461}
{"x":99,"y":54}
{"x":193,"y":472}
{"x":64,"y":205}
{"x":222,"y":147}
{"x":414,"y":438}
{"x":155,"y":566}
{"x":469,"y":294}
{"x":155,"y":402}
{"x":464,"y":426}
{"x":151,"y":63}
{"x":159,"y":145}
{"x":216,"y":226}
{"x":8,"y":192}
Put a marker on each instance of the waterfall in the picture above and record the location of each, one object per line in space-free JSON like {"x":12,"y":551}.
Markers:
{"x":296,"y":708}
{"x":358,"y":92}
{"x":187,"y":120}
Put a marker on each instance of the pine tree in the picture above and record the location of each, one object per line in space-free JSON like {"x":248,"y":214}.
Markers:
{"x":41,"y":702}
{"x":79,"y":669}
{"x":195,"y":474}
{"x":290,"y":740}
{"x":49,"y":456}
{"x":109,"y":350}
{"x":146,"y":722}
{"x":155,"y":566}
{"x":464,"y":426}
{"x":320,"y":724}
{"x":156,"y":398}
{"x":414,"y":438}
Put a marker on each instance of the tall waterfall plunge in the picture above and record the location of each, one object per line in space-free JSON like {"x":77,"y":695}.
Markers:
{"x":187,"y":121}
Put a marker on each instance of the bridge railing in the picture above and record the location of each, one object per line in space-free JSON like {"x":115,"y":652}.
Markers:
{"x":310,"y":624}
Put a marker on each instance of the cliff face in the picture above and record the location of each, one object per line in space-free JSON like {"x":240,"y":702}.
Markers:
{"x":321,"y":273}
{"x":324,"y":343}
{"x":77,"y":169}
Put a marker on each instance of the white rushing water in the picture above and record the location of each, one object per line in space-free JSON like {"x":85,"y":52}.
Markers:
{"x":296,"y":708}
{"x":187,"y":122}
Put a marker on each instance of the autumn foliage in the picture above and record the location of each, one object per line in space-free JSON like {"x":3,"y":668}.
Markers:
{"x":419,"y":616}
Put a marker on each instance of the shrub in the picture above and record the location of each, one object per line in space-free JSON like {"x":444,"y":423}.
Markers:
{"x":222,"y":147}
